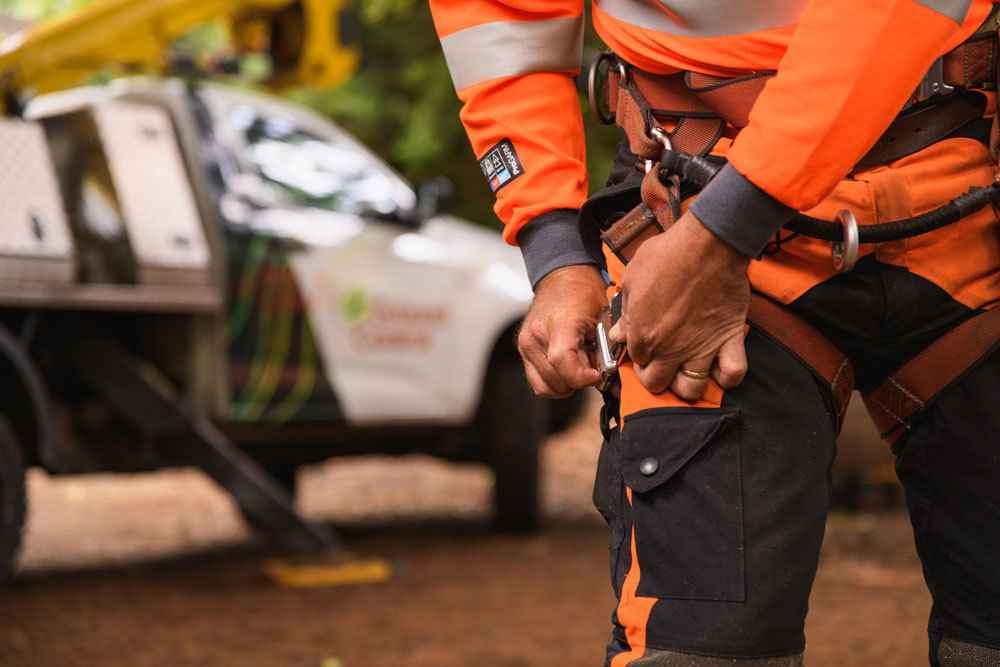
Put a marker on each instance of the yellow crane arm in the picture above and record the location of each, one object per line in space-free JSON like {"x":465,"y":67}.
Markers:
{"x":303,"y":36}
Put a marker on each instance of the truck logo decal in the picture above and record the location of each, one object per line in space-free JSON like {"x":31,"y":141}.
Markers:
{"x":354,"y":305}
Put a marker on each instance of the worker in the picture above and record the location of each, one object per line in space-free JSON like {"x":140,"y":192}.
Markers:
{"x":744,"y":337}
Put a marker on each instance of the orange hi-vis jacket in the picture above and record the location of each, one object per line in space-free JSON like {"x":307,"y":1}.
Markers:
{"x":845,"y":68}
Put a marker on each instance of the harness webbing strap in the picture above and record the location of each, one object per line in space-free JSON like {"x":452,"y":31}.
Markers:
{"x":702,"y":105}
{"x":899,"y":402}
{"x":659,"y":209}
{"x":800,"y":339}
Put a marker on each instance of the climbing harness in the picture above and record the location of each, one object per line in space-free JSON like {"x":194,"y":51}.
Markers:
{"x":700,"y":109}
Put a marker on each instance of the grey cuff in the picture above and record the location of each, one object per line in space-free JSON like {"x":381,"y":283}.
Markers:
{"x":740,"y":213}
{"x":552,"y":241}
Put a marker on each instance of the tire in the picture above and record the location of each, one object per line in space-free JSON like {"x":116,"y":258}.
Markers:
{"x":12,"y":498}
{"x":515,"y":421}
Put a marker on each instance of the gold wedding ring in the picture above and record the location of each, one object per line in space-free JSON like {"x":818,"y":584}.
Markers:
{"x":694,"y":375}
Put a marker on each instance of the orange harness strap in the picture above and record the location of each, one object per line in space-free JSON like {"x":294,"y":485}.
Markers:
{"x":800,"y":339}
{"x":898,"y":403}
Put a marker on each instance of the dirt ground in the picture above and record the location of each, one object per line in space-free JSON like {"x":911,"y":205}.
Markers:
{"x":159,"y":570}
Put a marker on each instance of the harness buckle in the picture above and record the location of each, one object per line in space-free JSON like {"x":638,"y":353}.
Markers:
{"x":607,"y":355}
{"x":933,"y":85}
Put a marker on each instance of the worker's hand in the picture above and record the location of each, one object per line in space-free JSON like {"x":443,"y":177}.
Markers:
{"x":684,"y":305}
{"x":552,"y":340}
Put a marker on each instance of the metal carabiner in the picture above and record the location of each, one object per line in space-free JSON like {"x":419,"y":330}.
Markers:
{"x":659,"y":134}
{"x":593,"y":77}
{"x":845,"y":253}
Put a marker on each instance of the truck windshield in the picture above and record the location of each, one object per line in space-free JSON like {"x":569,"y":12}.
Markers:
{"x":308,"y":170}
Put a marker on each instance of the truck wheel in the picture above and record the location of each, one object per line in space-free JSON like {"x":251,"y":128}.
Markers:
{"x":12,"y":498}
{"x":515,"y":422}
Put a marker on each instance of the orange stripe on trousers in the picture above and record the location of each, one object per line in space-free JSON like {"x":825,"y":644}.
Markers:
{"x":633,"y":611}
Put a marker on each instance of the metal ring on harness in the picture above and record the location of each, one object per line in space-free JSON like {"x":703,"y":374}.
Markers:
{"x":845,"y":253}
{"x":592,"y":82}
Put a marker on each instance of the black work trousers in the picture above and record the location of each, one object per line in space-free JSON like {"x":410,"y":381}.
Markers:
{"x":718,"y":547}
{"x":717,"y":509}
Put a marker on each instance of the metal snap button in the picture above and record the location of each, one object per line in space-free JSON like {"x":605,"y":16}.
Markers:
{"x":649,"y":466}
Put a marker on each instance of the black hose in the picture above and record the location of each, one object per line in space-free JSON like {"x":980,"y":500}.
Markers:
{"x":699,"y":171}
{"x":958,"y":208}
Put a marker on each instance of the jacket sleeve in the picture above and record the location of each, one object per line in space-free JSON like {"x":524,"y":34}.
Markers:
{"x":850,"y":67}
{"x":512,"y":63}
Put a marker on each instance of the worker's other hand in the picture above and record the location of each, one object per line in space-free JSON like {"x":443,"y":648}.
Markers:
{"x":552,"y":339}
{"x":684,"y":306}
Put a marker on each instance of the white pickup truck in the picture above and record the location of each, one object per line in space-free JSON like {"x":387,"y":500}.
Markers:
{"x":201,"y":275}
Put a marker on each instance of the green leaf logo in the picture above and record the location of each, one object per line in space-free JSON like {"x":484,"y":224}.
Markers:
{"x":354,"y":305}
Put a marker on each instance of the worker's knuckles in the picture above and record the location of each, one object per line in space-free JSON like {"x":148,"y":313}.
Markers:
{"x":537,"y":330}
{"x":655,"y":377}
{"x":540,"y":386}
{"x":731,"y":373}
{"x":687,"y":388}
{"x":561,"y":356}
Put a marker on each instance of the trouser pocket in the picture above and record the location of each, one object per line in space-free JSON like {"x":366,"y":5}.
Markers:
{"x":683,"y":468}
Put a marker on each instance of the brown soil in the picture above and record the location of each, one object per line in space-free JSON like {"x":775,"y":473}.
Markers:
{"x":159,"y":570}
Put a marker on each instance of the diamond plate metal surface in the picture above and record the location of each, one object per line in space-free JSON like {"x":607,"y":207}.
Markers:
{"x":35,"y":241}
{"x":153,"y":190}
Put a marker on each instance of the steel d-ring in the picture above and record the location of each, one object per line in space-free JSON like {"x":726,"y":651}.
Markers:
{"x":593,"y":82}
{"x":845,"y":253}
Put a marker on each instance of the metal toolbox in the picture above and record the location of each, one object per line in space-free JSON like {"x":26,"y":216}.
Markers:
{"x":35,"y":240}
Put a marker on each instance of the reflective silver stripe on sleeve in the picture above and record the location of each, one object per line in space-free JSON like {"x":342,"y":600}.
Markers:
{"x":509,"y":48}
{"x":707,"y":18}
{"x":953,"y":9}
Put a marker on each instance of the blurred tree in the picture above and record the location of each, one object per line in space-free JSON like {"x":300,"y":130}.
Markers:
{"x":39,"y":9}
{"x":401,"y":102}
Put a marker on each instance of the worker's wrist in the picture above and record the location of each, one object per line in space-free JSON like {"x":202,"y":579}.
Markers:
{"x":550,"y":242}
{"x":712,"y":252}
{"x":739,"y":213}
{"x":582,"y":277}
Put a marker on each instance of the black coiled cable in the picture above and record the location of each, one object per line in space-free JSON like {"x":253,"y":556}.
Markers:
{"x":699,"y":171}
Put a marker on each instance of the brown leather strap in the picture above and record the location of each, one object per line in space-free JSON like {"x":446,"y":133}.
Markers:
{"x":899,"y":402}
{"x":918,"y":129}
{"x":804,"y":342}
{"x":972,"y":64}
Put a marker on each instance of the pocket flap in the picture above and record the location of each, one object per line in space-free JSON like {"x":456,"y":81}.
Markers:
{"x":658,"y":442}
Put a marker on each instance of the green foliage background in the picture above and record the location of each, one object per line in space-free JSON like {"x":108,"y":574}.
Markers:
{"x":401,"y":102}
